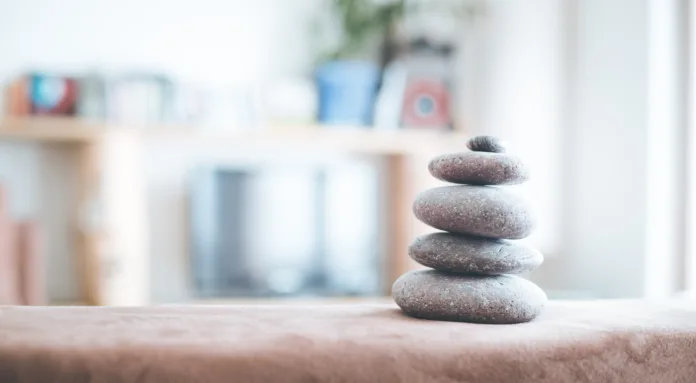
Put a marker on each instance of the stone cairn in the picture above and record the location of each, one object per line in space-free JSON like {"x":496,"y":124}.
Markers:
{"x":473,"y":260}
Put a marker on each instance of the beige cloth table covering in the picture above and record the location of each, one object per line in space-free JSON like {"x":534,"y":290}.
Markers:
{"x":601,"y":341}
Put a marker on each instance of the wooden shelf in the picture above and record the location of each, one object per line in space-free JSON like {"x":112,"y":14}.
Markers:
{"x":49,"y":129}
{"x":309,"y":137}
{"x":110,"y":179}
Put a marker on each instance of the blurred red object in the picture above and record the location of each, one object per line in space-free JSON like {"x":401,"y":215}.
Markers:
{"x":9,"y":294}
{"x":426,"y":104}
{"x":31,"y":276}
{"x":52,"y":95}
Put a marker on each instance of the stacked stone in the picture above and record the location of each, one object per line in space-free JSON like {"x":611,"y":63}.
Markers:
{"x":473,"y":261}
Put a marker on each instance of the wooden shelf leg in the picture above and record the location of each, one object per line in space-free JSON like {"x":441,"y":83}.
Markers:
{"x":400,"y":192}
{"x":88,"y":255}
{"x":112,"y":222}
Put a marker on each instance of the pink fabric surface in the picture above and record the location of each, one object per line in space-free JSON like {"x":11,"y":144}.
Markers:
{"x":602,"y":341}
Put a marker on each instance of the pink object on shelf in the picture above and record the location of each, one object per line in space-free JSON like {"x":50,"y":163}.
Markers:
{"x":8,"y":259}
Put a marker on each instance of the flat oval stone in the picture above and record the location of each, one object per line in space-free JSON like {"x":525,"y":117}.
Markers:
{"x":485,"y":211}
{"x":479,"y":168}
{"x":459,"y":253}
{"x":500,"y":299}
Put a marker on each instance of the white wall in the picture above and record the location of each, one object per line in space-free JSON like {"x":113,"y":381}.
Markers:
{"x":204,"y":40}
{"x":624,"y":156}
{"x":607,"y":147}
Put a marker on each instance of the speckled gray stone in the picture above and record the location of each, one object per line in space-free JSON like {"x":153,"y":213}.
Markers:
{"x":486,"y":144}
{"x":479,"y":168}
{"x":459,"y":253}
{"x":485,"y":211}
{"x":500,"y":299}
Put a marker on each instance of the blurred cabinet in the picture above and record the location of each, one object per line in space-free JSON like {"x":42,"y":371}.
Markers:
{"x":281,"y":230}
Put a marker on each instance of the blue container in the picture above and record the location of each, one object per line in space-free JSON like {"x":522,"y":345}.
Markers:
{"x":347,"y":92}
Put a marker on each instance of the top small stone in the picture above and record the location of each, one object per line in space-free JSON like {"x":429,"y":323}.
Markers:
{"x":486,"y":144}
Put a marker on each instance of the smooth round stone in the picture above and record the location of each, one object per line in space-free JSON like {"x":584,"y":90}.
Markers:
{"x":500,"y":299}
{"x":484,"y":211}
{"x":473,"y":255}
{"x":486,"y":144}
{"x":479,"y":168}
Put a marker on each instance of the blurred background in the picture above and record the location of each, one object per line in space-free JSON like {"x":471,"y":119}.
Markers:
{"x":208,"y":151}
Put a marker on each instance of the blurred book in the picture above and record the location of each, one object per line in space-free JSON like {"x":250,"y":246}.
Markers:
{"x":30,"y":263}
{"x":143,"y":99}
{"x":92,"y":94}
{"x":9,"y":268}
{"x":129,"y":98}
{"x":139,"y":98}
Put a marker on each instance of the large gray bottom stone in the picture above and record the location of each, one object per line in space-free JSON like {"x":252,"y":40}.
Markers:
{"x":479,"y":168}
{"x":473,"y":255}
{"x":485,"y":211}
{"x":501,"y":299}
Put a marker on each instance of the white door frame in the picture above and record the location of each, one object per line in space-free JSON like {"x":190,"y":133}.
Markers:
{"x":689,"y":261}
{"x":667,"y":243}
